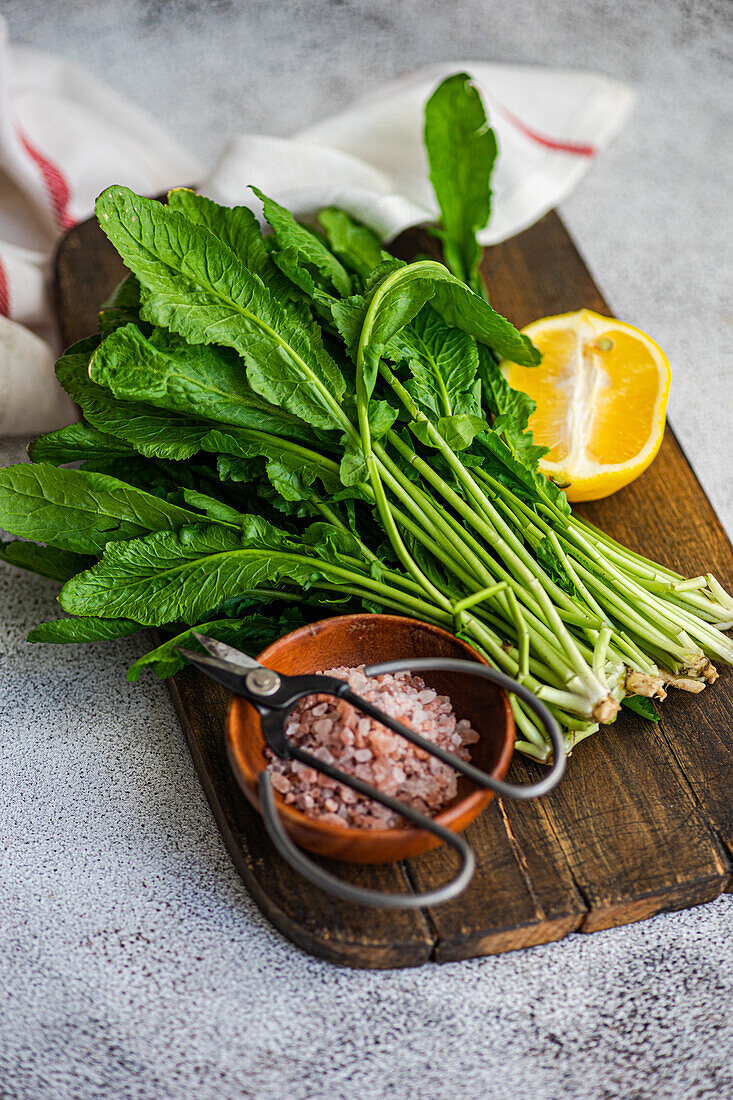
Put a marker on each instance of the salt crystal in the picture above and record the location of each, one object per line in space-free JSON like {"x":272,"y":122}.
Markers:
{"x":382,"y":742}
{"x":321,"y":752}
{"x":332,"y":819}
{"x":306,"y":775}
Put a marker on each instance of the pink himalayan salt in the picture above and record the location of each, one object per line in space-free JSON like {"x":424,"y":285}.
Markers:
{"x":336,"y":733}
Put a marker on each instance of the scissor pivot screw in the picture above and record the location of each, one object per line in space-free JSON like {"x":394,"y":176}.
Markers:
{"x":262,"y":681}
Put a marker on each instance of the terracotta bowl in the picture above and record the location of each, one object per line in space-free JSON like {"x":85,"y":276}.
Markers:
{"x":369,"y":639}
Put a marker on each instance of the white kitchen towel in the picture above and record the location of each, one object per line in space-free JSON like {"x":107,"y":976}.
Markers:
{"x":369,"y":159}
{"x":64,"y":137}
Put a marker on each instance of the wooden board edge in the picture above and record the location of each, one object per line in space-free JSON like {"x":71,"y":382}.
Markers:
{"x":723,"y":843}
{"x":686,"y":895}
{"x":502,"y":940}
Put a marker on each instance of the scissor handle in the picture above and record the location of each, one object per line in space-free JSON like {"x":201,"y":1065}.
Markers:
{"x":326,"y":881}
{"x":481,"y":778}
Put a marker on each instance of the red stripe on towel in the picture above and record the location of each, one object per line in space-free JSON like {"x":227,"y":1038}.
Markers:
{"x":4,"y":292}
{"x":575,"y":148}
{"x":56,"y":184}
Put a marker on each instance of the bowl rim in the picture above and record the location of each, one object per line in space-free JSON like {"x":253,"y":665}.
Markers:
{"x":472,"y":803}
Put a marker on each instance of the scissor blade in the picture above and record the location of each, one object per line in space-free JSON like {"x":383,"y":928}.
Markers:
{"x":226,"y":653}
{"x":222,"y":671}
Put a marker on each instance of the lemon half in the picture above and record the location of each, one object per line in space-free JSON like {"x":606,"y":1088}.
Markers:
{"x":601,"y":392}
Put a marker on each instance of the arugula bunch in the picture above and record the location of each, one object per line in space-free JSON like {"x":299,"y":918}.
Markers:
{"x":287,"y":427}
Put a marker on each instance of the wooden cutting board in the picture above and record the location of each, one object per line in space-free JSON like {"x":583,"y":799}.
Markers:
{"x":642,"y":823}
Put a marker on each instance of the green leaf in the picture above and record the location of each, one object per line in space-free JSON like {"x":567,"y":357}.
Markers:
{"x":355,"y":245}
{"x":511,"y":408}
{"x":353,"y":470}
{"x":195,"y":285}
{"x":304,"y":245}
{"x":461,"y":308}
{"x":348,"y":317}
{"x":443,"y":362}
{"x":382,"y":416}
{"x":76,"y":443}
{"x":552,"y":565}
{"x":151,"y":431}
{"x":397,"y":300}
{"x":641,"y":705}
{"x":237,"y":227}
{"x":183,"y":574}
{"x":211,"y":508}
{"x":509,"y":440}
{"x":331,"y":541}
{"x":251,"y":635}
{"x":461,"y":151}
{"x":194,"y":380}
{"x":498,"y":460}
{"x":230,"y":467}
{"x":126,"y":295}
{"x":290,"y":468}
{"x":45,"y":561}
{"x":79,"y":510}
{"x":291,"y":268}
{"x":300,"y":279}
{"x":83,"y":630}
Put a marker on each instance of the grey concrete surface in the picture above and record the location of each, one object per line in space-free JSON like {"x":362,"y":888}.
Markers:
{"x":133,"y":964}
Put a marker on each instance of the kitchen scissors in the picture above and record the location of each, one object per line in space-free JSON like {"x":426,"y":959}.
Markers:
{"x":274,"y":696}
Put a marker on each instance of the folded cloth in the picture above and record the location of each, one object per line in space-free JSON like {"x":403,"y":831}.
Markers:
{"x":369,"y":159}
{"x":64,"y":137}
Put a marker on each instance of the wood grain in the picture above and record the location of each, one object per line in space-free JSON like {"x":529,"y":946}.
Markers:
{"x":644,"y":820}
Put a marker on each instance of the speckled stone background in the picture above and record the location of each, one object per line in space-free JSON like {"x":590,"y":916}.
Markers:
{"x":132,"y":962}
